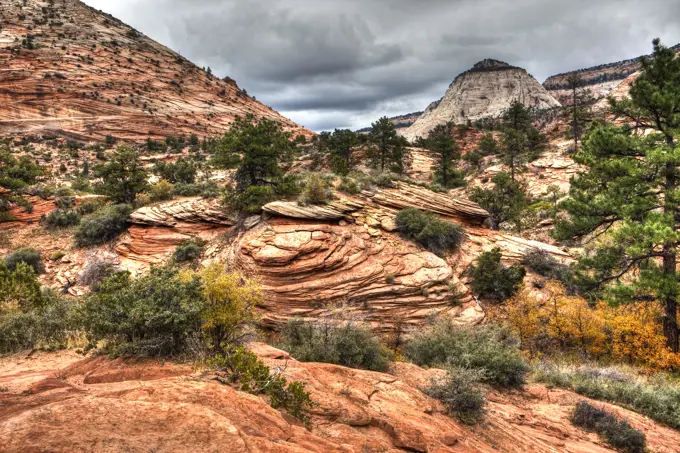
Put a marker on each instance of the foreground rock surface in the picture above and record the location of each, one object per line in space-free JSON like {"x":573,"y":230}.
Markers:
{"x":62,"y":403}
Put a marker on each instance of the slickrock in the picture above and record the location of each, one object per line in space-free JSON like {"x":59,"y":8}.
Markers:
{"x":405,"y":195}
{"x":485,"y":91}
{"x":70,"y":70}
{"x":334,"y":210}
{"x":309,"y":268}
{"x":186,"y":210}
{"x":123,"y":406}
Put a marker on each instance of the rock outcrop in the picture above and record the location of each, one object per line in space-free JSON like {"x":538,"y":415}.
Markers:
{"x":62,"y":403}
{"x":485,"y":91}
{"x":67,"y":69}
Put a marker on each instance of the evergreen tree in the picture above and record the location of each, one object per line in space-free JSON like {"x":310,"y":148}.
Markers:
{"x":341,"y":144}
{"x":387,"y":147}
{"x":488,"y":146}
{"x":628,"y":197}
{"x":505,"y":202}
{"x":442,"y":143}
{"x":579,"y":114}
{"x":515,"y":147}
{"x":15,"y":174}
{"x":123,"y":177}
{"x":517,"y":117}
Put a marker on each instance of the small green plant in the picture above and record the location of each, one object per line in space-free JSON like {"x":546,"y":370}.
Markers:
{"x":103,"y":226}
{"x":491,"y":279}
{"x":436,"y":235}
{"x":332,"y":340}
{"x":161,"y":191}
{"x":617,"y":432}
{"x":316,"y":190}
{"x":60,"y":219}
{"x":189,"y":250}
{"x":461,"y":392}
{"x":245,"y":371}
{"x":56,"y":256}
{"x":490,"y":348}
{"x":25,"y":255}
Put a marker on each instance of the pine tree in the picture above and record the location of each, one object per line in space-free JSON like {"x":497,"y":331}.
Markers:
{"x":387,"y":147}
{"x":341,"y":144}
{"x":123,"y":177}
{"x":579,"y":114}
{"x":505,"y":202}
{"x":488,"y":145}
{"x":628,"y":197}
{"x":442,"y":143}
{"x":515,"y":147}
{"x":517,"y":117}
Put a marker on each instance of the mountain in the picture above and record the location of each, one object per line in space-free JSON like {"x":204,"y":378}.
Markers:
{"x":601,"y":79}
{"x":484,"y":91}
{"x":400,"y":122}
{"x":68,"y":69}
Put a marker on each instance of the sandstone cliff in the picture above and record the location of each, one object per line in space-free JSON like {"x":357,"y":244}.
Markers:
{"x":485,"y":91}
{"x":67,"y":69}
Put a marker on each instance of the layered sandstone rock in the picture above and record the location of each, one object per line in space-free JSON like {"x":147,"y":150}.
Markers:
{"x":124,"y":406}
{"x":84,"y":74}
{"x":485,"y":91}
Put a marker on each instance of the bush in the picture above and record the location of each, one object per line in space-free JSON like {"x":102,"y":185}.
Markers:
{"x":95,"y":271}
{"x":90,"y":206}
{"x":246,"y":372}
{"x":545,"y":265}
{"x":461,"y":393}
{"x":182,"y":171}
{"x":490,"y":279}
{"x":49,"y":326}
{"x":189,"y":250}
{"x":430,"y":231}
{"x":205,"y":189}
{"x":19,"y":288}
{"x":161,"y":191}
{"x":153,"y":315}
{"x":65,"y":203}
{"x":656,"y":398}
{"x":489,"y":348}
{"x":316,"y":191}
{"x":618,"y":433}
{"x":334,"y":341}
{"x":251,"y":200}
{"x":25,"y":255}
{"x":103,"y":226}
{"x":60,"y":219}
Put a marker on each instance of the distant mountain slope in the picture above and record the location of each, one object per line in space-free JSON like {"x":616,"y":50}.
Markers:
{"x":66,"y":68}
{"x":401,"y":122}
{"x":601,"y":79}
{"x":485,"y":91}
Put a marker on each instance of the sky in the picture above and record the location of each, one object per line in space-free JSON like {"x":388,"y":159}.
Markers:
{"x":344,"y":63}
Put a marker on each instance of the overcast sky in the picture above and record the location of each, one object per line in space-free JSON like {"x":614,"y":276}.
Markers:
{"x":345,"y":63}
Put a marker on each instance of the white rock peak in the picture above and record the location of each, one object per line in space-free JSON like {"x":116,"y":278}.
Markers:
{"x":485,"y":91}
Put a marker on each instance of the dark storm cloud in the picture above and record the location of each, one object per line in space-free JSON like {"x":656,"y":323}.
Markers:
{"x":329,"y":63}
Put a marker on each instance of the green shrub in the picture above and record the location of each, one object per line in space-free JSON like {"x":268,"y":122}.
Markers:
{"x":90,"y":206}
{"x":461,"y":393}
{"x":618,"y":433}
{"x":103,"y":226}
{"x":545,"y":265}
{"x":204,"y":189}
{"x":182,"y":171}
{"x":95,"y":271}
{"x":489,"y":348}
{"x":316,"y":190}
{"x":430,"y":231}
{"x":189,"y":250}
{"x":65,"y":203}
{"x":49,"y":326}
{"x":247,"y":373}
{"x":334,"y":341}
{"x":656,"y":398}
{"x":19,"y":288}
{"x":251,"y":200}
{"x":60,"y":219}
{"x":161,"y":191}
{"x":491,"y":279}
{"x":153,"y":315}
{"x":25,"y":255}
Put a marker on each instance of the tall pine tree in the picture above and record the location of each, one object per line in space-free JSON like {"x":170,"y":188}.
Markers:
{"x":626,"y":202}
{"x":387,"y":147}
{"x":579,"y":114}
{"x":441,"y":142}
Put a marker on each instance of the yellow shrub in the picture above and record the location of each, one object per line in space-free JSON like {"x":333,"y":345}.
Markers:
{"x":231,"y":299}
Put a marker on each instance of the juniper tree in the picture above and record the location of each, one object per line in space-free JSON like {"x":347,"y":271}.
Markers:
{"x":442,"y":143}
{"x":505,"y":202}
{"x":387,"y":147}
{"x":626,"y":202}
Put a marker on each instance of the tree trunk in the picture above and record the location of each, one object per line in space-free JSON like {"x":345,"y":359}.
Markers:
{"x":670,"y":320}
{"x":574,"y":126}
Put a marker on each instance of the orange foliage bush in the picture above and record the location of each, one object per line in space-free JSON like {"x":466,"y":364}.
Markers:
{"x":559,"y":322}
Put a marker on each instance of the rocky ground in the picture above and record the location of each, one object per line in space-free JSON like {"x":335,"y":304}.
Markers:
{"x":63,"y":402}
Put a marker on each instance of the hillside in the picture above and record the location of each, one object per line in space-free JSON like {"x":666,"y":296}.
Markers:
{"x":601,"y":79}
{"x":485,"y":91}
{"x":67,"y":69}
{"x":401,"y":122}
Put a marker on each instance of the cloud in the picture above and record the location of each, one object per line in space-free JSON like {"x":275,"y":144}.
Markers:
{"x":330,"y":64}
